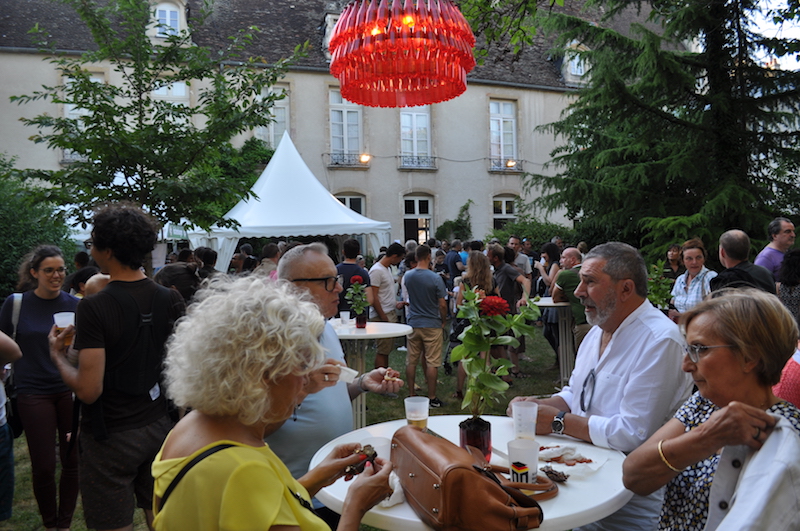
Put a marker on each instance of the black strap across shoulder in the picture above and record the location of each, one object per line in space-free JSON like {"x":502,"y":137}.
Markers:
{"x":189,"y":465}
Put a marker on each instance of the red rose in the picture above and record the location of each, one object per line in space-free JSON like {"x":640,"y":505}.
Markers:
{"x":491,"y":306}
{"x":356,"y":279}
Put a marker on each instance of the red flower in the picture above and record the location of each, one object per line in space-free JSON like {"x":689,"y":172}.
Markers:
{"x":356,"y":279}
{"x":491,"y":306}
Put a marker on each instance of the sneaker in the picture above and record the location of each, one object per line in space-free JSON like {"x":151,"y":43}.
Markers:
{"x":402,"y":349}
{"x":435,"y":402}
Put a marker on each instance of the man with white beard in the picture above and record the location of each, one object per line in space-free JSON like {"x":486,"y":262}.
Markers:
{"x":627,"y":380}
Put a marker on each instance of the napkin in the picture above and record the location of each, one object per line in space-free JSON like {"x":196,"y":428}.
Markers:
{"x":397,"y":496}
{"x":348,"y":375}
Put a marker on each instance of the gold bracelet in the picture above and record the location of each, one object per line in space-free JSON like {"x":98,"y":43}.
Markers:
{"x":664,"y":459}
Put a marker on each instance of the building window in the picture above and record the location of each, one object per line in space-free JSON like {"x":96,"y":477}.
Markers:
{"x":168,"y":19}
{"x":73,"y":112}
{"x":503,"y":134}
{"x":273,"y":132}
{"x":415,"y":134}
{"x":345,"y":130}
{"x":355,"y":203}
{"x":576,"y":65}
{"x":417,"y":214}
{"x":503,"y":210}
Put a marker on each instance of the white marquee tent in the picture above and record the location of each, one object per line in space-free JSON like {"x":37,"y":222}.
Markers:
{"x":289,"y":201}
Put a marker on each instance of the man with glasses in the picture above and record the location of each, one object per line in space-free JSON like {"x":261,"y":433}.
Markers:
{"x":627,"y":380}
{"x":326,"y":412}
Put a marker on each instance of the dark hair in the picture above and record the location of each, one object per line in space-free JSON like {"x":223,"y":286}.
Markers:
{"x":183,"y":276}
{"x":514,"y":236}
{"x":790,"y":268}
{"x":774,"y":227}
{"x":509,"y":254}
{"x":207,"y":255}
{"x":736,"y":244}
{"x":674,"y":247}
{"x":127,"y":231}
{"x":184,"y":255}
{"x":431,"y":242}
{"x":439,"y":253}
{"x":246,"y":248}
{"x":553,"y":252}
{"x":81,"y":258}
{"x":351,"y":248}
{"x":422,"y":252}
{"x":33,"y":260}
{"x":622,"y":262}
{"x":82,"y":275}
{"x":411,"y":258}
{"x":396,"y":249}
{"x":476,"y":245}
{"x":270,"y":250}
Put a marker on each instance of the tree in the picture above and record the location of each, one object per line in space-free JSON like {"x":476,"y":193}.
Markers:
{"x":666,"y":142}
{"x":24,"y":225}
{"x":460,"y":228}
{"x":128,"y":143}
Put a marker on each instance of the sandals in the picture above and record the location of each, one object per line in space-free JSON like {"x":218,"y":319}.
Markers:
{"x":516,"y":373}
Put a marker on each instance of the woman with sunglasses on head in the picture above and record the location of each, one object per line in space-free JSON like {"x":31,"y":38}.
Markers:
{"x":729,"y":457}
{"x":44,"y":401}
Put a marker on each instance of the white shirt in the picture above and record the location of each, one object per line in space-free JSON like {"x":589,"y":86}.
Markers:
{"x":380,"y":276}
{"x":639,"y":383}
{"x":762,"y":494}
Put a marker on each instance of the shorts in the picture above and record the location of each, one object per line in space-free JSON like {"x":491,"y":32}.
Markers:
{"x":6,"y":471}
{"x":427,"y":342}
{"x":115,"y":470}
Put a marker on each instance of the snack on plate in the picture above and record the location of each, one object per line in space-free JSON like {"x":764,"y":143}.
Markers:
{"x":555,"y":475}
{"x":368,"y":454}
{"x":567,"y":455}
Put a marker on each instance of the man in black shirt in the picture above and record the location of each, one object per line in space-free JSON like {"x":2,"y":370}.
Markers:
{"x":124,"y":416}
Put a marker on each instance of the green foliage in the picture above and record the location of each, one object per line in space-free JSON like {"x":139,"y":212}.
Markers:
{"x":130,"y":144}
{"x":24,"y":225}
{"x":659,"y":288}
{"x":665,"y":142}
{"x":484,"y":383}
{"x":357,"y":297}
{"x":460,"y":228}
{"x":540,"y":232}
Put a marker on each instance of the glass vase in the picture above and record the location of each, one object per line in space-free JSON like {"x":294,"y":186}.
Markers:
{"x":476,"y":432}
{"x":361,"y":320}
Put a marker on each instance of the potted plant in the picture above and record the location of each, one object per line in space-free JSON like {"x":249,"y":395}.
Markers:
{"x":489,"y":319}
{"x":659,"y":288}
{"x":357,"y":297}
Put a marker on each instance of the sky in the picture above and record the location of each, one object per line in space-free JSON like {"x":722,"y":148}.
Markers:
{"x":769,"y":29}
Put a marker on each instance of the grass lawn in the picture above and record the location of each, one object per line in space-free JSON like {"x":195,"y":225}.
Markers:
{"x":537,"y":362}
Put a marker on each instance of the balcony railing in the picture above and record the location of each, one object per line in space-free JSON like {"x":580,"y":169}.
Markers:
{"x":349,"y":160}
{"x":417,"y":163}
{"x":68,"y":156}
{"x":505,"y":165}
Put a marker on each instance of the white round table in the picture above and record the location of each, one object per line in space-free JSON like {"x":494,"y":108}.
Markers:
{"x":356,"y":347}
{"x":581,"y":500}
{"x":566,"y":341}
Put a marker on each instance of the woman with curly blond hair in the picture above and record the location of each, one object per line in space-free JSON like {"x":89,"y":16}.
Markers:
{"x":240,"y":360}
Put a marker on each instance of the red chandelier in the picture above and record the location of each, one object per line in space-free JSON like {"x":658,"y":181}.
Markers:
{"x":415,"y":52}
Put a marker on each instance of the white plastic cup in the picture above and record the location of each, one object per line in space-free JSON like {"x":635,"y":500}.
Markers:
{"x":344,"y":317}
{"x":63,"y":320}
{"x":523,"y":460}
{"x":417,"y":411}
{"x":382,"y":446}
{"x":525,"y":415}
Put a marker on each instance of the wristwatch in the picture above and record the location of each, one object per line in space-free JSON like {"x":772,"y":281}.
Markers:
{"x":558,"y":423}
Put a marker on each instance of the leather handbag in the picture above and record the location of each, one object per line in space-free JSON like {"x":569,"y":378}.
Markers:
{"x":452,"y":489}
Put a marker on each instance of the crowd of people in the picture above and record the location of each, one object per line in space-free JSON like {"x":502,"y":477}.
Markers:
{"x":236,"y":376}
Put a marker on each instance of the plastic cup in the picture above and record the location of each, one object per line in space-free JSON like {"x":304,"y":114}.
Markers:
{"x":63,"y":320}
{"x":524,"y":415}
{"x":344,"y":317}
{"x":523,"y":460}
{"x":382,"y":446}
{"x":417,"y":411}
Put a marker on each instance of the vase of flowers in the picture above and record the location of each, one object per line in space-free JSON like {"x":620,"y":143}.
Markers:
{"x":489,"y":320}
{"x":357,"y":297}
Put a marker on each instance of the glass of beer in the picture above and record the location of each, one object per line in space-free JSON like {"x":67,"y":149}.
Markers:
{"x":417,"y":411}
{"x":63,"y":320}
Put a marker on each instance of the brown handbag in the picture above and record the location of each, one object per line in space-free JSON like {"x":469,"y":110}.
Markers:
{"x":452,"y":489}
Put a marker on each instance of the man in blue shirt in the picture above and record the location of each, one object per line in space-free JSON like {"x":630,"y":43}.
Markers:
{"x":427,"y":315}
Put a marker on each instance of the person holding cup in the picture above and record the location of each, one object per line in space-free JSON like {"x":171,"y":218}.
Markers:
{"x":44,"y":401}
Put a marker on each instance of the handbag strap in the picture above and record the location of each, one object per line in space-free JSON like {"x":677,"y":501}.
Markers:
{"x":189,"y":465}
{"x":17,"y":300}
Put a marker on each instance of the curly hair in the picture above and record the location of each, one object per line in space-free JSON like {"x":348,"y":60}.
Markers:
{"x":756,"y":323}
{"x":33,"y":260}
{"x":479,"y":273}
{"x":239,"y":334}
{"x":127,"y":230}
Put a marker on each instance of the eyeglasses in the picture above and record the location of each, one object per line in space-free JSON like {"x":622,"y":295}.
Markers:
{"x":588,"y":385}
{"x":696,"y":351}
{"x":330,"y":282}
{"x":50,"y":271}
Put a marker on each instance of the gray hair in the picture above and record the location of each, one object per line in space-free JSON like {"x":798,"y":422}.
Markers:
{"x":736,"y":244}
{"x":289,"y":261}
{"x":622,"y":262}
